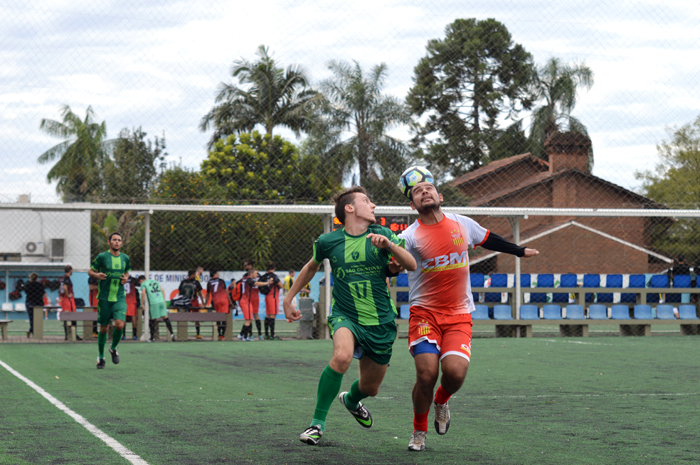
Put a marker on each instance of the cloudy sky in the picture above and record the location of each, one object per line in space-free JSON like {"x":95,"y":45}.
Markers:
{"x":158,"y":64}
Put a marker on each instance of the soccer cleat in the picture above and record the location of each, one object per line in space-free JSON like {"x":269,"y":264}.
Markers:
{"x":249,"y":339}
{"x":311,"y":435}
{"x":115,"y":356}
{"x":240,"y":337}
{"x":199,"y":336}
{"x":361,"y":414}
{"x":442,"y":418}
{"x":172,"y":337}
{"x":100,"y":363}
{"x":78,"y":338}
{"x":417,"y":443}
{"x":134,"y":338}
{"x":260,"y":337}
{"x":94,"y":335}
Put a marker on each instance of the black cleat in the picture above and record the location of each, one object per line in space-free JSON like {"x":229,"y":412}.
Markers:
{"x":115,"y":356}
{"x":361,"y":414}
{"x":100,"y":364}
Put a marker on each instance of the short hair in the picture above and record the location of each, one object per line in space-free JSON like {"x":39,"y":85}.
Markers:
{"x":346,"y":197}
{"x":67,"y":268}
{"x":271,"y":266}
{"x":115,"y":234}
{"x":191,"y":273}
{"x":142,"y":278}
{"x":248,"y":262}
{"x":213,"y":272}
{"x":33,"y":276}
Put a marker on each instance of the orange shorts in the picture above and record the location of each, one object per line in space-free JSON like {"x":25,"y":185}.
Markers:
{"x":67,"y":305}
{"x":130,"y":308}
{"x":450,"y":334}
{"x":221,"y":306}
{"x":248,"y":308}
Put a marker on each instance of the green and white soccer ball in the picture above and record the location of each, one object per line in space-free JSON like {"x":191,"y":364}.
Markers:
{"x":413,"y":176}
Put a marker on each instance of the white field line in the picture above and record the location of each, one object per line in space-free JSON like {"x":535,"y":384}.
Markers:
{"x":121,"y":450}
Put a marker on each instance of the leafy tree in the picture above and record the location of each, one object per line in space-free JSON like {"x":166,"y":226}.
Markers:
{"x":462,"y":87}
{"x":257,"y":167}
{"x":352,"y":123}
{"x":266,"y":95}
{"x":81,"y":157}
{"x":674,"y":183}
{"x":557,"y":84}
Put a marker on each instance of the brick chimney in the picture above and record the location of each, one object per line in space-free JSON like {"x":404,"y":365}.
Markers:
{"x":567,"y":150}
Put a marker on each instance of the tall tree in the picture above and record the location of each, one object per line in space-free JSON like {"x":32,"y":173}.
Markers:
{"x":352,"y":124}
{"x":557,"y":84}
{"x":462,"y":87}
{"x":81,"y":157}
{"x":266,"y":95}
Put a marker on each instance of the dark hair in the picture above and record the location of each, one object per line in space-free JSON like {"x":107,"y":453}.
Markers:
{"x":212,"y":273}
{"x":346,"y":197}
{"x":67,"y":268}
{"x":410,"y":192}
{"x":141,"y":278}
{"x":248,"y":262}
{"x":115,"y":234}
{"x":271,"y":266}
{"x":191,"y":273}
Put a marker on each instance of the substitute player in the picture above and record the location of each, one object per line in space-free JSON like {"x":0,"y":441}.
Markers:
{"x":440,"y":325}
{"x":220,"y":298}
{"x":362,"y":317}
{"x":272,"y":300}
{"x":153,"y":295}
{"x":132,"y":305}
{"x":111,"y":268}
{"x":250,"y":304}
{"x":67,"y":298}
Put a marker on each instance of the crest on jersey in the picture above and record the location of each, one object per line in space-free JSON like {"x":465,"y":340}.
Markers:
{"x":457,"y":237}
{"x":355,"y":255}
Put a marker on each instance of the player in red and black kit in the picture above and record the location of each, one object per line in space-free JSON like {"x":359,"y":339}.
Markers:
{"x":272,"y":300}
{"x":192,"y":289}
{"x":65,"y":295}
{"x":132,"y":304}
{"x":250,"y":304}
{"x":93,"y":286}
{"x":218,"y":295}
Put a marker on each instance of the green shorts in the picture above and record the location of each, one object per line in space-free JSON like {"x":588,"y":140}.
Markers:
{"x":157,"y":310}
{"x":108,"y":311}
{"x":374,"y":341}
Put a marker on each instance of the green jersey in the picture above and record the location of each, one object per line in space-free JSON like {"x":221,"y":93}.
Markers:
{"x":111,"y":289}
{"x":360,"y":292}
{"x":153,"y":292}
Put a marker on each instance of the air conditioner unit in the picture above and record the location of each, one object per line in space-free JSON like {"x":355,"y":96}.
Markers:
{"x":33,"y":248}
{"x":58,"y":248}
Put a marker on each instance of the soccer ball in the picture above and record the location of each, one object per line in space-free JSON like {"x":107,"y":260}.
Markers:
{"x":413,"y":176}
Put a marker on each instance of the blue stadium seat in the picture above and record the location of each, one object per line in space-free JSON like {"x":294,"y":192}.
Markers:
{"x":681,"y":281}
{"x":543,"y":280}
{"x":642,"y":312}
{"x":525,"y":280}
{"x":575,"y":312}
{"x":404,"y":312}
{"x":551,"y":312}
{"x":529,"y":312}
{"x":611,"y":280}
{"x":591,"y":280}
{"x":620,"y":312}
{"x":687,"y":312}
{"x":502,"y":312}
{"x":497,"y":280}
{"x":635,"y":281}
{"x":665,"y":312}
{"x":598,"y":312}
{"x":658,"y":280}
{"x":481,"y":312}
{"x":477,"y":280}
{"x":566,"y":280}
{"x":402,"y":281}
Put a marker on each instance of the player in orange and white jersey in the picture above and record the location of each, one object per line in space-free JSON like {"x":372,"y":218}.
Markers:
{"x":440,"y":325}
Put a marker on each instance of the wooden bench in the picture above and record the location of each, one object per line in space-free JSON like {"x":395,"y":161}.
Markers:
{"x":3,"y":327}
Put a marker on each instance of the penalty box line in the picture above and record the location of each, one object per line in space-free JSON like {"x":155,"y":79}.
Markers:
{"x":94,"y":430}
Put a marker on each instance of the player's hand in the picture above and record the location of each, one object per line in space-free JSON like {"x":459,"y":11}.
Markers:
{"x":530,"y":252}
{"x":124,"y":278}
{"x":290,"y":310}
{"x":101,"y":276}
{"x":379,"y":241}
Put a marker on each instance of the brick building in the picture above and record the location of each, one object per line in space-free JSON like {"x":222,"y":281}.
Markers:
{"x":566,"y":244}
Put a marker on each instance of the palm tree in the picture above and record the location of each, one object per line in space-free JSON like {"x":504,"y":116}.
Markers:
{"x":268,"y":96}
{"x":557,"y":84}
{"x":354,"y":104}
{"x":80,"y":158}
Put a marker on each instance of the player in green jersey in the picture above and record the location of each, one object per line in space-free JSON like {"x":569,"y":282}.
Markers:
{"x":362,"y":314}
{"x":111,"y":268}
{"x":153,"y":296}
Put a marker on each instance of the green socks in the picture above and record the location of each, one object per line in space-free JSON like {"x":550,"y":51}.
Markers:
{"x":328,"y":389}
{"x":116,"y":337}
{"x":101,"y":341}
{"x":354,"y":396}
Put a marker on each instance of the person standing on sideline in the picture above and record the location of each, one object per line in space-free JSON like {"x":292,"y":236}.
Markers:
{"x":220,"y":299}
{"x":362,"y":317}
{"x":192,"y":290}
{"x":132,"y":305}
{"x":153,"y":295}
{"x":250,"y":304}
{"x":65,"y":295}
{"x":111,"y":268}
{"x":288,"y":281}
{"x":92,"y":285}
{"x":36,"y":294}
{"x":440,"y":324}
{"x":272,"y":300}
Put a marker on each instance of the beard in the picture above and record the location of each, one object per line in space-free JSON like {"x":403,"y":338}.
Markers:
{"x":424,"y":210}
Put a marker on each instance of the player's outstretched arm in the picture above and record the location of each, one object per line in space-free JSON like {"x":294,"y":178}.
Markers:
{"x":305,"y":275}
{"x":498,"y":244}
{"x":401,"y":255}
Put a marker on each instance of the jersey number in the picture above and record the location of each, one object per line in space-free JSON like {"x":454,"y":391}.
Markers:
{"x":360,"y":288}
{"x":155,"y":287}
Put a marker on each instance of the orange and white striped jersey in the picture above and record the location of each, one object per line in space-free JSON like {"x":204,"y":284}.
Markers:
{"x":441,"y":280}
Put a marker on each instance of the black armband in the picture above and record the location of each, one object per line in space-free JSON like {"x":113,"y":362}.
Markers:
{"x":498,"y":244}
{"x":390,"y":274}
